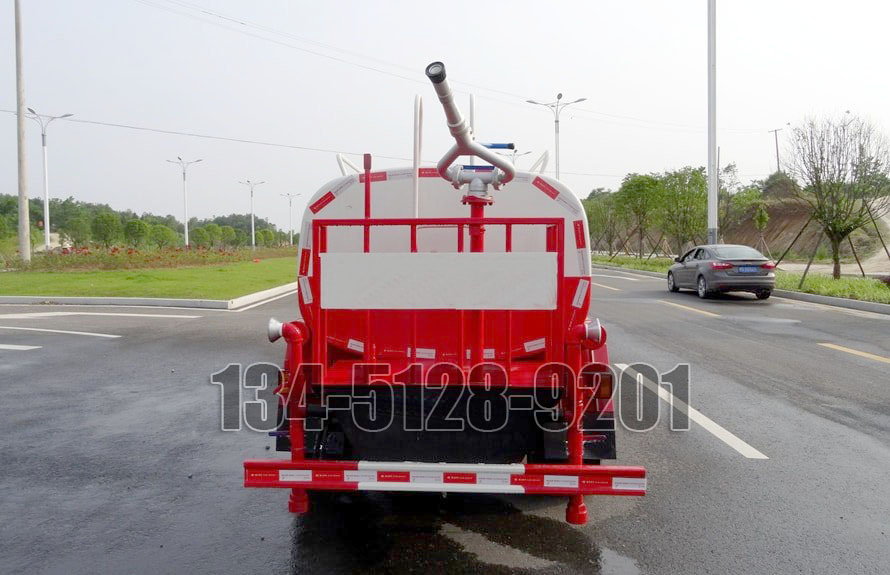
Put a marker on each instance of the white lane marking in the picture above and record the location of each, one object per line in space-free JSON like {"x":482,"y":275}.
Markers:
{"x":825,"y":307}
{"x":11,"y":347}
{"x":615,"y":277}
{"x":852,"y":351}
{"x":62,"y":331}
{"x":698,"y":417}
{"x":38,"y":315}
{"x":264,"y":302}
{"x":687,"y":308}
{"x":604,"y":286}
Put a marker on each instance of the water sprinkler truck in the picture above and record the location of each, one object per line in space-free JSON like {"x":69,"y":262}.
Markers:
{"x":444,"y":342}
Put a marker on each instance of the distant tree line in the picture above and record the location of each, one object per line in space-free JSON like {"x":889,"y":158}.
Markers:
{"x":83,"y":223}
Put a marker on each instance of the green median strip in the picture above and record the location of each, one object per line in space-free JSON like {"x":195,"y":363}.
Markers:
{"x":221,"y":282}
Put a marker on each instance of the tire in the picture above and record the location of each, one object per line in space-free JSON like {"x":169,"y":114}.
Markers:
{"x":702,"y":288}
{"x":763,"y":294}
{"x":672,"y":286}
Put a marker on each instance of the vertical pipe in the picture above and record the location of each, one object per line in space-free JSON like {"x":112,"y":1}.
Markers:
{"x":299,"y":499}
{"x":414,"y":312}
{"x":508,"y":247}
{"x":462,"y":349}
{"x":368,"y":353}
{"x":418,"y":140}
{"x":185,"y":208}
{"x":556,"y":141}
{"x":367,"y":201}
{"x":472,"y":124}
{"x":713,"y":184}
{"x":477,"y":245}
{"x":252,"y":228}
{"x":24,"y":210}
{"x":45,"y":194}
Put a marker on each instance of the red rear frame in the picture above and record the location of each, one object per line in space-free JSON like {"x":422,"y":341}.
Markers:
{"x":326,"y":338}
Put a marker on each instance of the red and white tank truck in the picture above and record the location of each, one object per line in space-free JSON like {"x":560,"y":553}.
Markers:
{"x":444,"y":343}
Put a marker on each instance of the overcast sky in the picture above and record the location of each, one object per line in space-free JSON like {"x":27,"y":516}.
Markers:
{"x":343,"y":75}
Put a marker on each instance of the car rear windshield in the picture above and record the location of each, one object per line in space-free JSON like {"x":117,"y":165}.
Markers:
{"x":738,"y":253}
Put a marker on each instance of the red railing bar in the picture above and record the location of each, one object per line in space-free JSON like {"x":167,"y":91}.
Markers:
{"x":436,"y":221}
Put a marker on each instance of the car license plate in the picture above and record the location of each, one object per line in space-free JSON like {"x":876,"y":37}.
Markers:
{"x":748,"y":269}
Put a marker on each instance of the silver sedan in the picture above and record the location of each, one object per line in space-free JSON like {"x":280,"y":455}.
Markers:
{"x":712,"y":269}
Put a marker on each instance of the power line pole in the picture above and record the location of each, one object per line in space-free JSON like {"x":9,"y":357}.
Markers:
{"x":290,"y":213}
{"x":185,"y":193}
{"x":713,"y":184}
{"x":43,"y":126}
{"x":24,"y":211}
{"x":776,"y":134}
{"x":252,"y":185}
{"x":556,"y":107}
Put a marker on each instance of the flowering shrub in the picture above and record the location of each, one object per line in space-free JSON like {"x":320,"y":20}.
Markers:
{"x":85,"y":258}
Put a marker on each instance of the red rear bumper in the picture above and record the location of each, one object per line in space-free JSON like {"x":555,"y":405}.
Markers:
{"x":543,"y":479}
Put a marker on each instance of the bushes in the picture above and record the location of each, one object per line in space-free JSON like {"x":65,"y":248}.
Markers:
{"x":130,"y":258}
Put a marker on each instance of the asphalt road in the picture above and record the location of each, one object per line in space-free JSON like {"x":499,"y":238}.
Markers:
{"x":113,"y":460}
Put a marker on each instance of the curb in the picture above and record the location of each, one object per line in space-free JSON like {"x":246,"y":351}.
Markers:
{"x":232,"y":304}
{"x":856,"y":304}
{"x":835,"y":301}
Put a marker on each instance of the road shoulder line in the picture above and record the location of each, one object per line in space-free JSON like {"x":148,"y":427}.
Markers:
{"x":235,"y":304}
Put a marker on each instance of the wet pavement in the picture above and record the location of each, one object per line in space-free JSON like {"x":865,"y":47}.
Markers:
{"x":113,"y":460}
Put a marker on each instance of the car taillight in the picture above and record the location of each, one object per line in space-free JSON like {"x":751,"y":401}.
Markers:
{"x":721,"y":265}
{"x":768,"y":265}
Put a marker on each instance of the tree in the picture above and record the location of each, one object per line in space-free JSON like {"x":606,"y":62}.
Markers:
{"x":199,"y":238}
{"x":604,"y":219}
{"x":639,"y":198}
{"x":228,"y":235}
{"x":4,"y":227}
{"x":214,"y":235}
{"x":779,"y":185}
{"x":844,"y":166}
{"x":162,"y":236}
{"x":761,"y":217}
{"x":77,"y":230}
{"x":265,"y":238}
{"x":106,"y":228}
{"x":137,"y":232}
{"x":684,"y":204}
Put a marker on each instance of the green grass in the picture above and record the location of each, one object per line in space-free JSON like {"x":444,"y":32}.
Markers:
{"x":865,"y":289}
{"x":652,"y":264}
{"x":204,"y":282}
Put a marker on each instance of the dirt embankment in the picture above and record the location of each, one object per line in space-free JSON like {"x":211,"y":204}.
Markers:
{"x":786,"y":218}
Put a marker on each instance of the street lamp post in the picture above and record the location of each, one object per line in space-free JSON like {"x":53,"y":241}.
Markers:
{"x":290,"y":221}
{"x":44,"y":122}
{"x":776,"y":134}
{"x":514,"y":155}
{"x":185,"y":193}
{"x":556,"y":107}
{"x":252,"y":185}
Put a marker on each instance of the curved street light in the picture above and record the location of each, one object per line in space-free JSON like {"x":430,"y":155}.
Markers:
{"x":556,"y":107}
{"x":44,"y":122}
{"x":185,"y":194}
{"x":252,"y":185}
{"x":290,"y":223}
